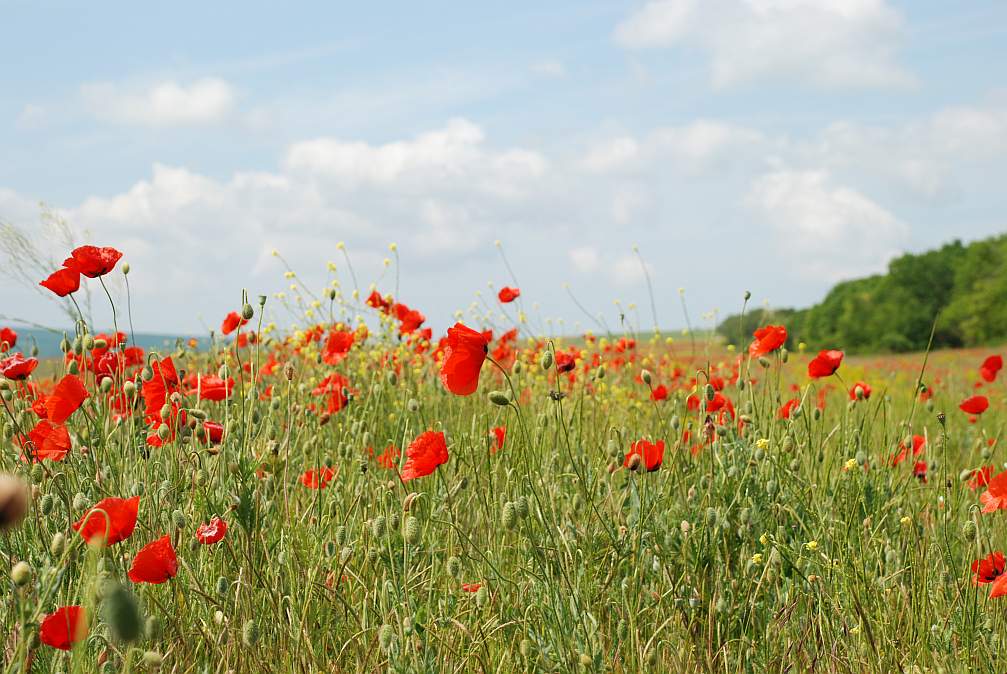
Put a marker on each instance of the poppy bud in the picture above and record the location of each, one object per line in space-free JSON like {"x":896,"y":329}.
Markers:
{"x":764,"y":362}
{"x":634,"y":462}
{"x":546,"y":361}
{"x":129,"y":389}
{"x":88,"y":342}
{"x":262,"y":300}
{"x":509,"y":515}
{"x":784,"y":355}
{"x":345,"y":554}
{"x":73,"y":368}
{"x":178,"y":519}
{"x":407,"y":503}
{"x":969,"y":530}
{"x":386,"y":637}
{"x":64,"y":345}
{"x":378,"y":526}
{"x":250,"y":632}
{"x":454,"y":566}
{"x":521,"y":506}
{"x":57,"y":545}
{"x":413,"y":405}
{"x":122,"y":613}
{"x":13,"y":501}
{"x":247,"y":312}
{"x":152,"y":660}
{"x":646,"y":377}
{"x":482,"y":596}
{"x":288,"y":371}
{"x":499,"y":398}
{"x":517,"y":367}
{"x":748,"y":295}
{"x":412,"y":530}
{"x":600,"y":372}
{"x":710,"y":393}
{"x":392,"y":378}
{"x":22,"y":573}
{"x":100,"y":344}
{"x":223,"y":586}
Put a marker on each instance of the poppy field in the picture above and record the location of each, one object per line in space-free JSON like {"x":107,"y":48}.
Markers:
{"x":359,"y":492}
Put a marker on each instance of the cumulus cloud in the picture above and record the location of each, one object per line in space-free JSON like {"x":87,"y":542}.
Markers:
{"x":825,"y":43}
{"x":204,"y":101}
{"x":828,"y":231}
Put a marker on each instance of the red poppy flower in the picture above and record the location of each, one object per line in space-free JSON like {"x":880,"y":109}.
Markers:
{"x":92,"y":261}
{"x":424,"y":454}
{"x":51,"y":441}
{"x":565,"y":361}
{"x":231,"y":323}
{"x":975,"y":405}
{"x":214,"y":432}
{"x":825,"y":364}
{"x":767,"y":339}
{"x":508,"y":294}
{"x":337,"y":345}
{"x":113,"y":516}
{"x":988,"y":569}
{"x":17,"y":367}
{"x":65,"y":399}
{"x":389,"y":458}
{"x":863,"y":386}
{"x":787,"y":408}
{"x":8,"y":339}
{"x":317,"y":479}
{"x":651,"y":453}
{"x":499,"y":435}
{"x":62,"y":282}
{"x":376,"y":301}
{"x":990,"y":367}
{"x":212,"y":387}
{"x":995,"y":496}
{"x":920,"y":471}
{"x":409,"y":319}
{"x":980,"y":477}
{"x":464,"y":355}
{"x":64,"y":627}
{"x":471,"y":587}
{"x":155,"y":563}
{"x":211,"y":532}
{"x":660,"y":392}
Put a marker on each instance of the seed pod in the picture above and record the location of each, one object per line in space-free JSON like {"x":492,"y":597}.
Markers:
{"x":509,"y":515}
{"x":499,"y":398}
{"x":521,"y":506}
{"x":546,"y":361}
{"x":378,"y":526}
{"x":57,"y":545}
{"x":386,"y":637}
{"x":46,"y":504}
{"x":250,"y":632}
{"x":247,"y":312}
{"x":122,"y":613}
{"x":454,"y":566}
{"x":412,"y":530}
{"x":22,"y":573}
{"x":482,"y":596}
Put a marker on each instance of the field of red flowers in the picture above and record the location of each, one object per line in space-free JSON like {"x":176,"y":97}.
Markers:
{"x":363,"y":494}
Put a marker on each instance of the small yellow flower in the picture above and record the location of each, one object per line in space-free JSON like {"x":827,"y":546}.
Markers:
{"x":811,"y":546}
{"x":906,"y":521}
{"x":757,"y":558}
{"x":851,"y":464}
{"x":393,"y":247}
{"x":764,"y":539}
{"x":762,"y":443}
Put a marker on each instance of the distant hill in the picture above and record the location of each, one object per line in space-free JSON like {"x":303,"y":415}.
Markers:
{"x":966,"y":284}
{"x":48,"y":341}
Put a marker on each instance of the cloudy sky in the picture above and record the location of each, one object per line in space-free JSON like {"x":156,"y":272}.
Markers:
{"x":770,"y":145}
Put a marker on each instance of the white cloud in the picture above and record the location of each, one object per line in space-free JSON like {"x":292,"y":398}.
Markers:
{"x":204,"y":101}
{"x":549,"y":68}
{"x":627,"y":270}
{"x":829,"y":232}
{"x":585,"y":259}
{"x":826,"y":43}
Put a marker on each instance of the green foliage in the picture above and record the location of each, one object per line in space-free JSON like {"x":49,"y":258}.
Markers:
{"x":965,"y":286}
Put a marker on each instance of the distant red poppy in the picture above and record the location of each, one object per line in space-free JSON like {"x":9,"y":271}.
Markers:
{"x":51,"y":441}
{"x":825,"y":364}
{"x":660,"y":392}
{"x":424,"y":454}
{"x":155,"y":563}
{"x":464,"y":355}
{"x":565,"y":361}
{"x":409,"y":319}
{"x":988,"y":569}
{"x":65,"y":399}
{"x":317,"y":479}
{"x":499,"y":435}
{"x":980,"y":477}
{"x":508,"y":294}
{"x":975,"y":405}
{"x":17,"y":367}
{"x":863,"y":386}
{"x":62,"y":282}
{"x":337,"y":345}
{"x":471,"y":587}
{"x":212,"y":531}
{"x":231,"y":323}
{"x":652,"y":454}
{"x":114,"y":516}
{"x":767,"y":339}
{"x":787,"y":408}
{"x":214,"y":432}
{"x":920,"y":471}
{"x":378,"y":302}
{"x":64,"y":627}
{"x":92,"y":261}
{"x":8,"y":339}
{"x":995,"y":496}
{"x":389,"y":458}
{"x":990,"y":367}
{"x":212,"y":387}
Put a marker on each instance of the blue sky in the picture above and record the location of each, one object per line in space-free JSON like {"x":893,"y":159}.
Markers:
{"x":770,"y":145}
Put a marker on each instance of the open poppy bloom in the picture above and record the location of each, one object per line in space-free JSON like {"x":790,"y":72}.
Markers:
{"x":787,"y":408}
{"x":155,"y":563}
{"x":17,"y":367}
{"x":988,"y":569}
{"x":214,"y":432}
{"x":51,"y":441}
{"x":565,"y":362}
{"x":660,"y":392}
{"x":508,"y":294}
{"x":62,"y":282}
{"x":211,"y":532}
{"x":464,"y":355}
{"x":317,"y":479}
{"x":995,"y":496}
{"x":389,"y":458}
{"x":652,"y":454}
{"x":92,"y":261}
{"x":975,"y":405}
{"x":231,"y":323}
{"x":499,"y":435}
{"x":64,"y":627}
{"x":990,"y":367}
{"x":767,"y":339}
{"x":424,"y":454}
{"x":471,"y":587}
{"x":65,"y":399}
{"x":8,"y":339}
{"x":825,"y":364}
{"x":109,"y":521}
